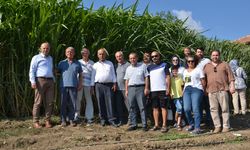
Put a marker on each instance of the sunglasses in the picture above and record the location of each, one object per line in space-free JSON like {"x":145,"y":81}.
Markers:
{"x":215,"y":69}
{"x":153,"y":56}
{"x":174,"y":59}
{"x":190,"y":61}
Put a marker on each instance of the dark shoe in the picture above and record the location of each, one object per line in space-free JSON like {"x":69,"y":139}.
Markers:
{"x":155,"y":128}
{"x":37,"y":125}
{"x":114,"y":124}
{"x":196,"y":132}
{"x":72,"y":123}
{"x":132,"y":128}
{"x":144,"y":129}
{"x":48,"y":124}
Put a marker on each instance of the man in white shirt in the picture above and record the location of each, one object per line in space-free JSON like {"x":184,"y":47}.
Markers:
{"x":105,"y":86}
{"x":199,"y":53}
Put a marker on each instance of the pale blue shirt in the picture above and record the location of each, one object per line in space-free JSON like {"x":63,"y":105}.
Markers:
{"x":41,"y":66}
{"x":136,"y":74}
{"x":88,"y":74}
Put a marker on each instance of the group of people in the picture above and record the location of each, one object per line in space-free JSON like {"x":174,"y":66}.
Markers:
{"x":190,"y":85}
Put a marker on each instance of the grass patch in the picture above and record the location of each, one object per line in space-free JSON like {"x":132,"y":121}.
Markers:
{"x":174,"y":136}
{"x":236,"y":140}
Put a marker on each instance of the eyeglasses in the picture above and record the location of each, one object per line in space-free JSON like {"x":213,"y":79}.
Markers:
{"x":215,"y":69}
{"x":190,"y":61}
{"x":153,"y":56}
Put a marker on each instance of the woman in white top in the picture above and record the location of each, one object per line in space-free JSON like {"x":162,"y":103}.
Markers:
{"x":192,"y":95}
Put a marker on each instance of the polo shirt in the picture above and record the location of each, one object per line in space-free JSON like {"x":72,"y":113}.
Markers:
{"x":120,"y":73}
{"x":69,"y":73}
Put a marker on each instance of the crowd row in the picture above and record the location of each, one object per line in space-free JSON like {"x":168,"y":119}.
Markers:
{"x":194,"y":84}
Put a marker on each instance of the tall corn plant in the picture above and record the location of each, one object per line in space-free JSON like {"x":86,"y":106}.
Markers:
{"x":25,"y":24}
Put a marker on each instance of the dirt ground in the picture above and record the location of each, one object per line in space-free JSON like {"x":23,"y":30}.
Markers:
{"x":19,"y":134}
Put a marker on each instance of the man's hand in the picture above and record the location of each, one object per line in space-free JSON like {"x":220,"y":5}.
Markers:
{"x":33,"y":85}
{"x":114,"y":87}
{"x":146,"y":91}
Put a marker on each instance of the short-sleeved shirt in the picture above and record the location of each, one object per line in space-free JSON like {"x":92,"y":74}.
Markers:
{"x":88,"y":74}
{"x":104,"y":72}
{"x":136,"y":74}
{"x":176,"y":86}
{"x":203,"y":62}
{"x":157,"y":74}
{"x":120,"y":73}
{"x":193,"y":78}
{"x":69,"y":73}
{"x":219,"y":77}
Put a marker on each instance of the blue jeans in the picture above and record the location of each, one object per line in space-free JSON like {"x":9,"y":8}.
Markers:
{"x":179,"y":105}
{"x":192,"y":102}
{"x":68,"y":103}
{"x":136,"y":96}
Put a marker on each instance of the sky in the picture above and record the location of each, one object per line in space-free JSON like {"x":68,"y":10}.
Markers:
{"x":221,"y":19}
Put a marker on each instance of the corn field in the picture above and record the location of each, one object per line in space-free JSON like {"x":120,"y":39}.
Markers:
{"x":25,"y":24}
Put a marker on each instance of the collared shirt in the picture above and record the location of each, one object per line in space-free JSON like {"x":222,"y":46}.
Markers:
{"x":41,"y":66}
{"x":104,"y":72}
{"x":136,"y":74}
{"x":88,"y":73}
{"x":158,"y":74}
{"x":69,"y":73}
{"x":219,"y":77}
{"x":120,"y":73}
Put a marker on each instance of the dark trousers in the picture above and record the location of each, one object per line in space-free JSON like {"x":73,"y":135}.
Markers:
{"x":68,"y":103}
{"x":121,"y":106}
{"x":104,"y":95}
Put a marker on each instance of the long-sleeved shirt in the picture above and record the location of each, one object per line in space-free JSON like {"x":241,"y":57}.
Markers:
{"x":40,"y":66}
{"x":104,"y":72}
{"x":88,"y":73}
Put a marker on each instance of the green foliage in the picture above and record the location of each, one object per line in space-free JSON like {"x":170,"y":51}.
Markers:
{"x":25,"y":24}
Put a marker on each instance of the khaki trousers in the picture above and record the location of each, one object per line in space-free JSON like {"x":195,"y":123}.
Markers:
{"x":44,"y":93}
{"x":243,"y":103}
{"x":219,"y":100}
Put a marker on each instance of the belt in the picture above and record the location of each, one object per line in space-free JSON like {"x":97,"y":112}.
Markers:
{"x":105,"y":83}
{"x":46,"y":78}
{"x":137,"y":85}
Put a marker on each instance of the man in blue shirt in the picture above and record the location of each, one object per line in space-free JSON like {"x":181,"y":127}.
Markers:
{"x":41,"y":78}
{"x":69,"y":70}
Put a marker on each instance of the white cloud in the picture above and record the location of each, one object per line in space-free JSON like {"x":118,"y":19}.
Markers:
{"x":190,"y":22}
